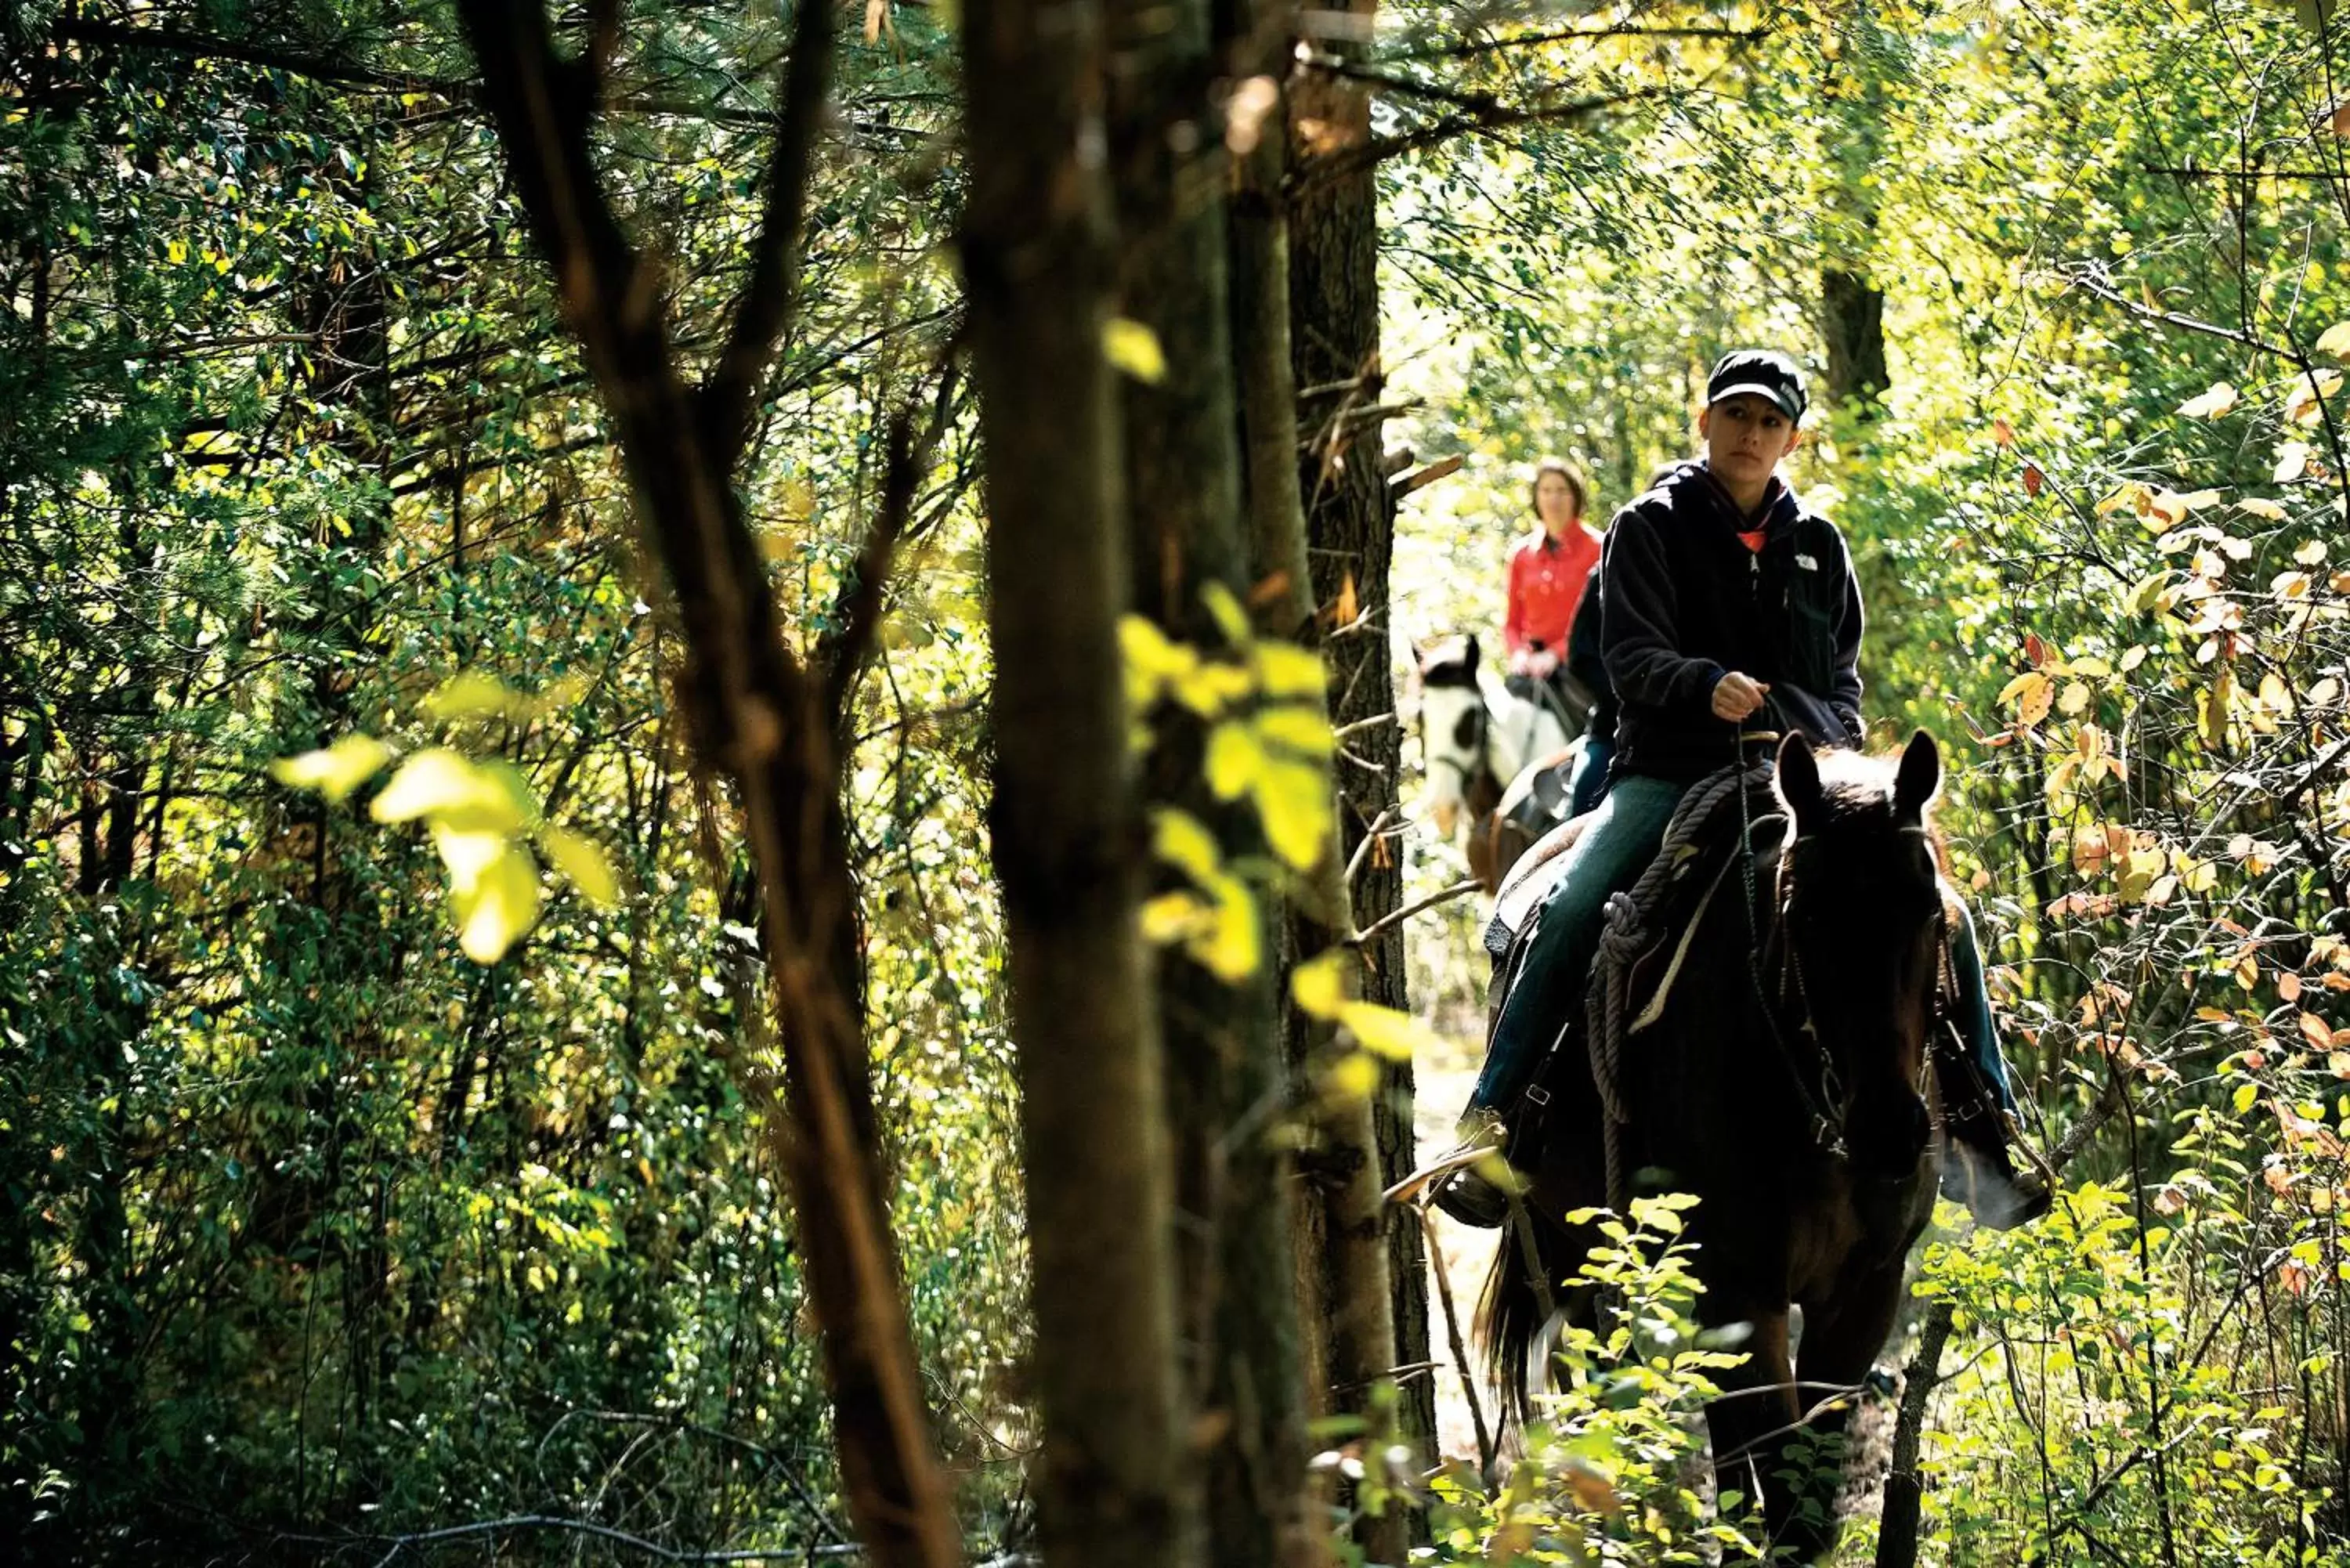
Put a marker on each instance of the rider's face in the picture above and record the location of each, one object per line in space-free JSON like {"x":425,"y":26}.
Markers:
{"x":1745,"y":437}
{"x":1554,"y":501}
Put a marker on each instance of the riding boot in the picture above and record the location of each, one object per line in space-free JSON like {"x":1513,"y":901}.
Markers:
{"x":1475,"y":1191}
{"x":1977,"y":1166}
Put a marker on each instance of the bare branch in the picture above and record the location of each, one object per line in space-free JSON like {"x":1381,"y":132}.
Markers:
{"x":842,"y":652}
{"x":1339,"y":164}
{"x":765,"y":311}
{"x":1372,"y":932}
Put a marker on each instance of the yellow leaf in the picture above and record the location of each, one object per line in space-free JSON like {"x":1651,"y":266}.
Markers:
{"x":1384,"y":1031}
{"x":2261,"y":506}
{"x":2196,"y":500}
{"x":500,"y":906}
{"x":1298,"y":728}
{"x":2292,"y":462}
{"x":2317,"y":1031}
{"x":1319,"y":984}
{"x":1230,"y":946}
{"x":2248,"y":972}
{"x":2311,"y":554}
{"x":582,"y":859}
{"x":2324,"y":691}
{"x":2034,"y":698}
{"x":2212,"y":404}
{"x":1234,"y":759}
{"x":2335,"y":340}
{"x":1352,"y":1076}
{"x":1225,"y":609}
{"x":1285,"y":669}
{"x":1178,"y":839}
{"x":1293,"y":798}
{"x":1172,"y":918}
{"x":471,"y":694}
{"x":1133,"y":347}
{"x":335,"y":771}
{"x":457,"y":793}
{"x":1211,"y":686}
{"x":2301,"y":399}
{"x":2076,"y":697}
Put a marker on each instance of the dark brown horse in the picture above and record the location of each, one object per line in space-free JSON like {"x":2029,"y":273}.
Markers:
{"x":1785,"y":1084}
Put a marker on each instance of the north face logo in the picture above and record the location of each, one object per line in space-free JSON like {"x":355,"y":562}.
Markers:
{"x":1806,"y":562}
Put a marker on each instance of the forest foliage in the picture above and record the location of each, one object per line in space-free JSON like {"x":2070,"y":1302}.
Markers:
{"x":383,"y":984}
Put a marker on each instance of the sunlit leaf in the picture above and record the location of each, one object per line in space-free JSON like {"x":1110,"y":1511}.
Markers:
{"x":457,"y":792}
{"x":1319,"y":984}
{"x":1295,"y":802}
{"x":1179,"y":838}
{"x":582,"y":859}
{"x":2212,"y":404}
{"x":500,"y":906}
{"x":1392,"y":1035}
{"x":1234,"y":759}
{"x":1133,"y":347}
{"x":472,"y":694}
{"x":335,"y":771}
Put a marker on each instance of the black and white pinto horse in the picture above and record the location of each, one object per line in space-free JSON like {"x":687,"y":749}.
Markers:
{"x":1499,"y":760}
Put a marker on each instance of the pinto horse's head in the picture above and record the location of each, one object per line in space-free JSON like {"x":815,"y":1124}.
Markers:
{"x":1864,"y":932}
{"x":1451,"y":726}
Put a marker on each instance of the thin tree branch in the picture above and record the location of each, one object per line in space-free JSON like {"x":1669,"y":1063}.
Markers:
{"x":1339,"y":164}
{"x":765,"y":311}
{"x":1372,"y":932}
{"x":842,"y":651}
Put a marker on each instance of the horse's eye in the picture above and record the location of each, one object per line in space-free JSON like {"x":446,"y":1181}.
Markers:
{"x":1465,"y":732}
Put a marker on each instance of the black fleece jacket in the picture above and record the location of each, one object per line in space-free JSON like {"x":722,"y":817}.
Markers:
{"x":1683,"y":602}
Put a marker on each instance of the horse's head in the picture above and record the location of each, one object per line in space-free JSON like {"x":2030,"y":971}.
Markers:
{"x":1864,"y":932}
{"x":1451,"y":726}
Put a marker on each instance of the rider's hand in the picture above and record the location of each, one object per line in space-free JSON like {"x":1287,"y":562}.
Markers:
{"x":1522,"y":661}
{"x":1540,"y":663}
{"x":1737,"y":696}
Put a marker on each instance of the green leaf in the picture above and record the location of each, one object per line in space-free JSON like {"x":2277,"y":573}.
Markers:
{"x":335,"y":771}
{"x":582,"y":860}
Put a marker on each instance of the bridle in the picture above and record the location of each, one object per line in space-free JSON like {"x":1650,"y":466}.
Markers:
{"x":1820,"y":1085}
{"x":1479,"y":752}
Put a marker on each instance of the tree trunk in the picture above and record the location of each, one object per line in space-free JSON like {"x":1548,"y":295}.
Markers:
{"x":1221,"y":1039}
{"x":762,"y":720}
{"x":1039,"y":274}
{"x":1852,"y":307}
{"x":1351,"y":520}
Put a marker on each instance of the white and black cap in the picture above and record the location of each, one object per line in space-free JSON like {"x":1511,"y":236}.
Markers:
{"x":1766,"y":373}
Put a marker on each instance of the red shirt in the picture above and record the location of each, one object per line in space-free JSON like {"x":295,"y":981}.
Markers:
{"x":1546,"y":584}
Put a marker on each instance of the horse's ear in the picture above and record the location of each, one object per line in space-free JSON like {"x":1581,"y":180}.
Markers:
{"x":1799,"y":780}
{"x":1472,"y":640}
{"x":1919,"y":778}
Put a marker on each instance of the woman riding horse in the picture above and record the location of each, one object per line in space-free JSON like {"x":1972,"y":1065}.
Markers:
{"x":1727,"y":608}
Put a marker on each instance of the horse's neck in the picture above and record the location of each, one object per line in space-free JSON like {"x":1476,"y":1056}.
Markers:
{"x":1517,"y":731}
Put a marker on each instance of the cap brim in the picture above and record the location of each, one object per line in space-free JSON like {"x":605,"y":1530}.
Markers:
{"x":1777,"y":399}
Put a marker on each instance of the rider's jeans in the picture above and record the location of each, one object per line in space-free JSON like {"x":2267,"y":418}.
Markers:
{"x":1589,"y":780}
{"x":1974,"y":1006}
{"x":1624,"y":834}
{"x":1625,"y":831}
